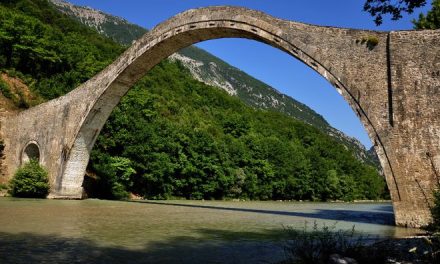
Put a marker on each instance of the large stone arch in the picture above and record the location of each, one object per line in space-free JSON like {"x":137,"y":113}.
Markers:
{"x":359,"y":64}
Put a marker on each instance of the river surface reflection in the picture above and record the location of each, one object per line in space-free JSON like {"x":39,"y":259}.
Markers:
{"x":96,"y":231}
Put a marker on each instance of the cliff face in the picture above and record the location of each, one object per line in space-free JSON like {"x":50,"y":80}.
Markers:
{"x":213,"y":71}
{"x":113,"y":27}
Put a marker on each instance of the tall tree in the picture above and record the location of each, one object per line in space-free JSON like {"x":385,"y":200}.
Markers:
{"x":395,"y":8}
{"x":432,"y":18}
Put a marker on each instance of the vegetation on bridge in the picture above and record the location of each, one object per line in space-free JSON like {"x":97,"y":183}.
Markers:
{"x":174,"y":136}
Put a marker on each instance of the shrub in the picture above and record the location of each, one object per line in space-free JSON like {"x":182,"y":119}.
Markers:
{"x":318,"y":244}
{"x":370,"y":41}
{"x":435,"y":213}
{"x":5,"y":90}
{"x":433,"y":242}
{"x":3,"y":186}
{"x":30,"y":181}
{"x":431,"y":250}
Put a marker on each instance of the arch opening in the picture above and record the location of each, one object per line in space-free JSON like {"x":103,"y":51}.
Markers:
{"x":30,"y":152}
{"x":180,"y":32}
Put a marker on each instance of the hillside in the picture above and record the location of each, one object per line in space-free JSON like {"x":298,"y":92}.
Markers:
{"x":174,"y":136}
{"x":113,"y":27}
{"x":213,"y":71}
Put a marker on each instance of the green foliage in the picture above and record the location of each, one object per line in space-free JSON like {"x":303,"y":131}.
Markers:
{"x":320,"y":244}
{"x":316,"y":245}
{"x":431,"y":251}
{"x":435,"y":213}
{"x":370,"y":41}
{"x":3,"y":187}
{"x":17,"y":97}
{"x":183,"y":138}
{"x":378,"y":8}
{"x":30,"y":181}
{"x":56,"y":51}
{"x":4,"y":88}
{"x":432,"y":18}
{"x":115,"y":176}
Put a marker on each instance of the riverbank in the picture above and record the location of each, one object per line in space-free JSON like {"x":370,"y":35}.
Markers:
{"x":419,"y":249}
{"x":323,"y":245}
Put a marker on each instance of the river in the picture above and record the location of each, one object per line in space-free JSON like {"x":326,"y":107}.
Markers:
{"x":99,"y":231}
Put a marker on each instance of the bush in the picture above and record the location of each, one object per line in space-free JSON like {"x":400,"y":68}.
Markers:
{"x":324,"y":245}
{"x":30,"y":181}
{"x":5,"y":90}
{"x":431,"y":250}
{"x":435,"y":213}
{"x":320,"y":244}
{"x":317,"y":245}
{"x":370,"y":41}
{"x":3,"y":186}
{"x":433,"y":242}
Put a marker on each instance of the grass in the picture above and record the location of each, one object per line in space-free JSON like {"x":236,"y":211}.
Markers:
{"x":317,"y":245}
{"x":370,"y":41}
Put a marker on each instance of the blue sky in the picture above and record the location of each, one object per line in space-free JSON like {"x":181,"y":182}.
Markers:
{"x":268,"y":64}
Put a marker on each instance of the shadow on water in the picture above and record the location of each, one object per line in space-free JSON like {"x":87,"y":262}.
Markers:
{"x":384,"y":208}
{"x":31,"y":248}
{"x":383,"y":215}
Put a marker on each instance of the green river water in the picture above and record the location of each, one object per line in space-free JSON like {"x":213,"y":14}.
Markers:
{"x":97,"y":231}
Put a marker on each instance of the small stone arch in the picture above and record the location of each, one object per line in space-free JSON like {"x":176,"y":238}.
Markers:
{"x":30,"y":152}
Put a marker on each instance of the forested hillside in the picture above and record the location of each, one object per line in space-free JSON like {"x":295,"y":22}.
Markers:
{"x":195,"y":141}
{"x":172,"y":135}
{"x":54,"y":52}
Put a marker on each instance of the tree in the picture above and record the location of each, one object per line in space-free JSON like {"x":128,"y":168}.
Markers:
{"x":378,"y":8}
{"x":432,"y":18}
{"x":30,"y":181}
{"x":435,"y":213}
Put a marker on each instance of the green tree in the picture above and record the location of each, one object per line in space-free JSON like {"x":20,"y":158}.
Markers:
{"x":432,"y":18}
{"x":378,"y":8}
{"x":435,"y":213}
{"x":30,"y":181}
{"x":114,"y":177}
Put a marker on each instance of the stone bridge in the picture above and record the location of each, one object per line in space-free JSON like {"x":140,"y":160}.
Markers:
{"x":390,"y":79}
